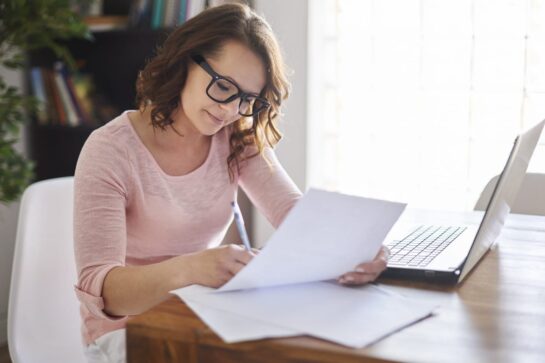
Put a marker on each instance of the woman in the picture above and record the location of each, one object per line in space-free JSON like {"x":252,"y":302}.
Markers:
{"x":153,"y":187}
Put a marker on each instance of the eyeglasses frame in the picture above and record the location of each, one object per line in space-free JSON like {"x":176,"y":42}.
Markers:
{"x":199,"y":59}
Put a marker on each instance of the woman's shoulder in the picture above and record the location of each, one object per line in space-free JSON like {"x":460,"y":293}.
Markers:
{"x":108,"y":145}
{"x":104,"y":157}
{"x":117,"y":130}
{"x":115,"y":138}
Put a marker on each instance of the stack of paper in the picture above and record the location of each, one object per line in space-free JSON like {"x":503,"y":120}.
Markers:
{"x":283,"y":291}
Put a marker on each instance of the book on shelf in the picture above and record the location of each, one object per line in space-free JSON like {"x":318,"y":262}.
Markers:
{"x":38,"y":90}
{"x":50,"y":110}
{"x":72,"y":118}
{"x":84,"y":89}
{"x":67,"y":98}
{"x":157,"y":14}
{"x":82,"y":116}
{"x":55,"y":103}
{"x":169,"y":16}
{"x":140,"y":14}
{"x":181,"y":12}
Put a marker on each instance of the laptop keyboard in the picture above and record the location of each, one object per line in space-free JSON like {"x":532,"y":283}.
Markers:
{"x":420,"y":247}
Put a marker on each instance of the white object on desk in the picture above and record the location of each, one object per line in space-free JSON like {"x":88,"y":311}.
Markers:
{"x":354,"y":317}
{"x":233,"y":328}
{"x":325,"y":235}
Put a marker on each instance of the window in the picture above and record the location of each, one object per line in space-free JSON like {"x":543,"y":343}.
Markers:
{"x":420,"y":100}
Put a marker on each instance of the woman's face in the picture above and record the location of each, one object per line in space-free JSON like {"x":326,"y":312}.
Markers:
{"x":235,"y":62}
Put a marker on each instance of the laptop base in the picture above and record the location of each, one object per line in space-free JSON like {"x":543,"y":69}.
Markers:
{"x":442,"y":277}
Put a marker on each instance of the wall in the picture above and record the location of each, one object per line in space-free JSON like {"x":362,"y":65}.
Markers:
{"x":288,"y":20}
{"x":8,"y":225}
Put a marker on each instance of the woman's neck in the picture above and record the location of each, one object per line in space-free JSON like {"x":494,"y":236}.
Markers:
{"x":178,"y":135}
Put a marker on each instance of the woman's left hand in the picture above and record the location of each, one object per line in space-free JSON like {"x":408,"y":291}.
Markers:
{"x":366,"y":272}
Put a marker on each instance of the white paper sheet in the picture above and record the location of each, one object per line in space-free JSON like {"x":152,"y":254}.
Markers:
{"x":281,"y":293}
{"x":233,"y":328}
{"x":324,"y":236}
{"x":353,"y":317}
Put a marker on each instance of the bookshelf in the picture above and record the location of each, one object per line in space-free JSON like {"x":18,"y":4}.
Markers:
{"x":113,"y":60}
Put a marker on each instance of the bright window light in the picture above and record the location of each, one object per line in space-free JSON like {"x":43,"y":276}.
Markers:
{"x":420,"y":100}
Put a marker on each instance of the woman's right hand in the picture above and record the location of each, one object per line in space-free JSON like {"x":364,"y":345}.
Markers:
{"x":215,"y":266}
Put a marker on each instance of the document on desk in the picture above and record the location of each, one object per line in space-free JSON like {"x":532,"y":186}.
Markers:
{"x":350,"y":316}
{"x":231,"y":327}
{"x":282,"y":292}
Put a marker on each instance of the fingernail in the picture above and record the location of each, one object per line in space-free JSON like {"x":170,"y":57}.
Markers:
{"x":360,"y":269}
{"x":349,"y":278}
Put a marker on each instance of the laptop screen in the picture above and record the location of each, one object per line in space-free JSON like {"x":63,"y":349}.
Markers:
{"x":504,"y":196}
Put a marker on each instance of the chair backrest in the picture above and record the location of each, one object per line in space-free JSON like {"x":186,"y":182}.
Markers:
{"x":530,"y":198}
{"x":43,"y":312}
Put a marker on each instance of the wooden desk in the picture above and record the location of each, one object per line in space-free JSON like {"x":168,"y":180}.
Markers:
{"x":496,"y":315}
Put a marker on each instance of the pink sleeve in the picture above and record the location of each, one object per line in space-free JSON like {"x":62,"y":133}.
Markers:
{"x":100,"y":198}
{"x":269,"y":187}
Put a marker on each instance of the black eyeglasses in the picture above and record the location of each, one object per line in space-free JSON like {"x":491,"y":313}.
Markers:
{"x":223,"y":90}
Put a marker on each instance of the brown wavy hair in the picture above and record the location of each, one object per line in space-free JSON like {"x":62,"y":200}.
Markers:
{"x":160,"y":82}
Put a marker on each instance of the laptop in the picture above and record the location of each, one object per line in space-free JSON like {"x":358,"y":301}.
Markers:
{"x":447,"y":253}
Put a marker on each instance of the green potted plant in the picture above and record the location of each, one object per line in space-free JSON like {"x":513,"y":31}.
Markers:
{"x":25,"y":26}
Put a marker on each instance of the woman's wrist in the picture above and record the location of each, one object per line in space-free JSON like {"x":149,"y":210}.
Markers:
{"x":183,"y":271}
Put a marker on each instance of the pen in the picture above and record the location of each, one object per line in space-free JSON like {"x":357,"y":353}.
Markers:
{"x":240,"y":225}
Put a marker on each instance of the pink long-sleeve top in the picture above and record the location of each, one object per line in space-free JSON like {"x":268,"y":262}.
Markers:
{"x":128,"y":211}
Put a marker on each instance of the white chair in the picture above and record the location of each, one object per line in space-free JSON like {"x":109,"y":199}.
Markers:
{"x":43,"y":312}
{"x":530,"y":199}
